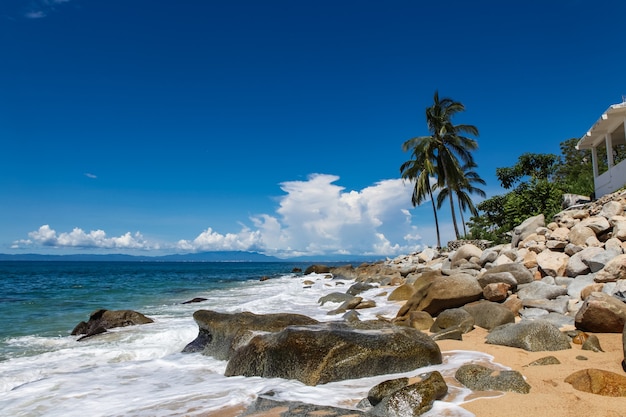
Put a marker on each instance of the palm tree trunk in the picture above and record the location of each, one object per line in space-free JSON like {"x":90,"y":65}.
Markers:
{"x":462,"y":219}
{"x":432,"y":200}
{"x":456,"y":228}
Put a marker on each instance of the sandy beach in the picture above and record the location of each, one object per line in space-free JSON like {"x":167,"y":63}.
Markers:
{"x":550,"y":395}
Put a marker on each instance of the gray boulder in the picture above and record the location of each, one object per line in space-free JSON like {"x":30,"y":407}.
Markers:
{"x":323,"y":353}
{"x":481,"y":378}
{"x":533,"y":336}
{"x":219,"y":334}
{"x":538,"y":290}
{"x":489,"y":315}
{"x":521,"y":274}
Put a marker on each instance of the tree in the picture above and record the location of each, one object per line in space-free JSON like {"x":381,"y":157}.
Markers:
{"x":540,"y":181}
{"x":446,"y":148}
{"x":420,"y":170}
{"x":465,"y":186}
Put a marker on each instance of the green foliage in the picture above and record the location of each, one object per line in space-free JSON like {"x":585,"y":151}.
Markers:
{"x":575,"y":169}
{"x":541,"y":180}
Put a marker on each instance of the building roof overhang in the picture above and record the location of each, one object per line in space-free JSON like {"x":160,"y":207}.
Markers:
{"x":609,"y":121}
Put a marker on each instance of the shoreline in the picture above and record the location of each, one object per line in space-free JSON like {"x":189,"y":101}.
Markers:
{"x":549,"y":396}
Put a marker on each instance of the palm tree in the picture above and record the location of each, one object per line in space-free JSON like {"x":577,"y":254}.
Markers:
{"x":420,"y":171}
{"x":462,"y":188}
{"x":443,"y":148}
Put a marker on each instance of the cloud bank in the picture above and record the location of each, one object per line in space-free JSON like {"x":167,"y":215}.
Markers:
{"x":314,"y":217}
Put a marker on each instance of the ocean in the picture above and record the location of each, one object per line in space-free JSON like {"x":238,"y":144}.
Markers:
{"x":140,"y":370}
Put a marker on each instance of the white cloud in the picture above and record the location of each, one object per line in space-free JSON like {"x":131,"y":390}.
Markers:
{"x":90,"y":175}
{"x":314,"y":217}
{"x":35,"y":14}
{"x":78,"y":238}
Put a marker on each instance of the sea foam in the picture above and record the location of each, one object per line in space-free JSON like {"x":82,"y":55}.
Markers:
{"x":140,"y":370}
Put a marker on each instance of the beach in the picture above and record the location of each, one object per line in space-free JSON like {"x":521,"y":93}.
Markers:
{"x":140,"y":370}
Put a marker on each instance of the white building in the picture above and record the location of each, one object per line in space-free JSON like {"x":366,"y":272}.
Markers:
{"x":609,"y":168}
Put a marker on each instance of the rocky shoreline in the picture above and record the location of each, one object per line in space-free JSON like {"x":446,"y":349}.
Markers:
{"x":555,"y":297}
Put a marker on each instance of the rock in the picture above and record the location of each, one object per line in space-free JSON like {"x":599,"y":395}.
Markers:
{"x":402,"y":293}
{"x":449,"y":292}
{"x":414,"y":399}
{"x":466,"y":252}
{"x":359,"y":287}
{"x":592,"y":343}
{"x":559,"y":305}
{"x":578,"y":235}
{"x":219,"y":334}
{"x":546,"y":360}
{"x":349,"y":304}
{"x":612,"y":208}
{"x":521,"y":274}
{"x":601,"y":259}
{"x":333,"y":352}
{"x":194,"y":300}
{"x":527,"y":227}
{"x":533,"y":336}
{"x":481,"y":378}
{"x":264,"y":405}
{"x":598,"y":224}
{"x":385,"y":389}
{"x":598,"y":382}
{"x":317,"y":269}
{"x":420,"y":320}
{"x":491,"y":278}
{"x":614,"y":269}
{"x":552,"y":263}
{"x":453,"y":317}
{"x":601,"y":313}
{"x":450,"y":333}
{"x":489,"y":315}
{"x":334,"y":297}
{"x":496,"y":291}
{"x":538,"y":290}
{"x":101,"y":320}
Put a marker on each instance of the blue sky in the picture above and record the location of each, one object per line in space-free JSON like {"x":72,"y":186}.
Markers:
{"x":153,"y":127}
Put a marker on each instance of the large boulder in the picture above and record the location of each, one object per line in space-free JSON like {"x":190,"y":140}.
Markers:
{"x":333,"y":352}
{"x":601,"y":313}
{"x":489,"y":315}
{"x":446,"y":292}
{"x":533,"y":336}
{"x":219,"y":334}
{"x":101,"y":320}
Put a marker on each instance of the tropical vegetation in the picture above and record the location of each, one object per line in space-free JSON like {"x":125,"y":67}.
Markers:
{"x":443,"y":161}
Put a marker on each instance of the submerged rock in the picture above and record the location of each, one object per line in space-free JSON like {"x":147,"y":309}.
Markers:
{"x":101,"y":320}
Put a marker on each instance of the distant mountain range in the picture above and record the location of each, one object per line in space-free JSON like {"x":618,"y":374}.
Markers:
{"x":217,"y":256}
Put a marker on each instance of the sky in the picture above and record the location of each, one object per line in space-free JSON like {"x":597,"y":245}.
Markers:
{"x":155,"y":127}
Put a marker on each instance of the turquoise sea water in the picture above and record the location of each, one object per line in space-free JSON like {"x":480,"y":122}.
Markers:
{"x":49,"y":298}
{"x":140,"y":370}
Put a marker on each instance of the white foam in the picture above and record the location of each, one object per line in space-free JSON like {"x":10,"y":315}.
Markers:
{"x":140,"y":371}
